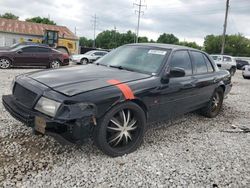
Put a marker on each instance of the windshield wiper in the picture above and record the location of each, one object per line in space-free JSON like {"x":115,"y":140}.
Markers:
{"x":121,"y":67}
{"x":100,"y":64}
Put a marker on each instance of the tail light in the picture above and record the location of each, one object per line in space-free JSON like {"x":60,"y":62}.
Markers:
{"x":65,"y":56}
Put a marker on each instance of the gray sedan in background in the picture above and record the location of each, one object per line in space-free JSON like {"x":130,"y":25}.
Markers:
{"x":88,"y":57}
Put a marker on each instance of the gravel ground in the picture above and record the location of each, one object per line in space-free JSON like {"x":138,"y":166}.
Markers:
{"x":191,"y":151}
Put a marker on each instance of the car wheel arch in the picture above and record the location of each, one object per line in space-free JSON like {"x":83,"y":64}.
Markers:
{"x":10,"y":59}
{"x":137,"y":101}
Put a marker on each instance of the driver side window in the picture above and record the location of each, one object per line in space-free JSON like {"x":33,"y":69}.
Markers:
{"x":182,"y":60}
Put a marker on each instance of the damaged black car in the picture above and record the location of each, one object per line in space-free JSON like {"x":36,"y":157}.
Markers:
{"x":113,"y":100}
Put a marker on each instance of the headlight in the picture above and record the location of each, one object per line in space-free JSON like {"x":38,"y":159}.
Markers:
{"x":47,"y":106}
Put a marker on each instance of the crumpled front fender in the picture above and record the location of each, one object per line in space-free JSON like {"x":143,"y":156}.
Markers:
{"x":74,"y":111}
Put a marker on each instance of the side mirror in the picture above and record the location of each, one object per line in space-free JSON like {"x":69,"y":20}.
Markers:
{"x":177,"y":72}
{"x":20,"y":51}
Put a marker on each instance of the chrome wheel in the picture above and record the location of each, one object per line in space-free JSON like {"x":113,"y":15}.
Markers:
{"x":55,"y":64}
{"x":122,"y":128}
{"x":215,"y":101}
{"x":4,"y":63}
{"x":84,"y":61}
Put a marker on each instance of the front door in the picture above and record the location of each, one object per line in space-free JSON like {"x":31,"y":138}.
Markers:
{"x":24,"y":56}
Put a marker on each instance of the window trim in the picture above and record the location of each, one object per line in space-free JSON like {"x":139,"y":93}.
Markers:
{"x":170,"y":58}
{"x":205,"y":62}
{"x":205,"y":56}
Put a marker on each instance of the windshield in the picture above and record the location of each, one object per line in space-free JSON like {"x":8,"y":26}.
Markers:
{"x":89,"y":53}
{"x":17,"y":47}
{"x":135,"y":58}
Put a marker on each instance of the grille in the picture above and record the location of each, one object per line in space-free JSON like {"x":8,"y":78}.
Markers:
{"x":24,"y":96}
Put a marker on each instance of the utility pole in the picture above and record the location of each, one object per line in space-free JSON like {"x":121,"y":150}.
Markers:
{"x":94,"y":24}
{"x":115,"y":35}
{"x":139,"y":11}
{"x":225,"y":28}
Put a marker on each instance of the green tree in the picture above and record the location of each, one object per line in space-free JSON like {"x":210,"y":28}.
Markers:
{"x":212,"y":44}
{"x":83,"y":41}
{"x":39,"y":19}
{"x":190,"y":44}
{"x":168,"y":39}
{"x":107,"y":39}
{"x":142,"y":39}
{"x":9,"y":15}
{"x":236,"y":45}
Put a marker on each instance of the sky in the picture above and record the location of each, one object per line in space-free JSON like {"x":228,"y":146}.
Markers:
{"x":189,"y":20}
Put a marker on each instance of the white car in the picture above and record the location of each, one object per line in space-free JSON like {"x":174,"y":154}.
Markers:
{"x":225,"y":62}
{"x":246,"y":71}
{"x":88,"y":57}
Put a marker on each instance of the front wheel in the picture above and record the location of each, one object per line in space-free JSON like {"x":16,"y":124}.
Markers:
{"x":214,"y":105}
{"x":121,"y":130}
{"x":55,"y":64}
{"x":4,"y":63}
{"x":232,"y":71}
{"x":84,"y":61}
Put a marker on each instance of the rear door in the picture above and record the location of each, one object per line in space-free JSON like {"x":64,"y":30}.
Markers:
{"x":206,"y":80}
{"x":42,"y":56}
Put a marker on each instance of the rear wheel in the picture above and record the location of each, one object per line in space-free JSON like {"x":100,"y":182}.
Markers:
{"x":4,"y":63}
{"x":55,"y":64}
{"x":214,"y":106}
{"x":121,"y":130}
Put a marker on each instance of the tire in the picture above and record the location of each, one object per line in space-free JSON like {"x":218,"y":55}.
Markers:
{"x":214,"y":105}
{"x":84,"y":61}
{"x":55,"y":64}
{"x":232,"y":71}
{"x":121,"y":130}
{"x":5,"y":63}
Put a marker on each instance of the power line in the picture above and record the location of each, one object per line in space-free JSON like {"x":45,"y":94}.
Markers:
{"x":139,"y":11}
{"x":94,"y":27}
{"x":224,"y":28}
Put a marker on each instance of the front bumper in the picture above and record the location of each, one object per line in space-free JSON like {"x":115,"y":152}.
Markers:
{"x":76,"y":60}
{"x":71,"y":130}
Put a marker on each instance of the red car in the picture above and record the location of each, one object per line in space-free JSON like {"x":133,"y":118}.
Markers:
{"x":32,"y":55}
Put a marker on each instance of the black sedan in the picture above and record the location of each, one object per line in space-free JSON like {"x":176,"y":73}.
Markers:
{"x":113,"y":100}
{"x":241,"y":63}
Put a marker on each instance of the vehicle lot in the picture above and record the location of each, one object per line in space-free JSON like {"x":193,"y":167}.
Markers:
{"x":191,"y":150}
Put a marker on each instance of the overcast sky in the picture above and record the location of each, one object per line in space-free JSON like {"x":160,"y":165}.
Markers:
{"x":189,"y":20}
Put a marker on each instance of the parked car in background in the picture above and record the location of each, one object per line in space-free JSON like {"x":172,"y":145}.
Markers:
{"x":113,"y":99}
{"x":225,"y":62}
{"x":88,"y":57}
{"x":24,"y":55}
{"x":241,"y":63}
{"x":246,"y":71}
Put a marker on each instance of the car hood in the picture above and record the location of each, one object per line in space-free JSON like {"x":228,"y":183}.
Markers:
{"x":74,"y":80}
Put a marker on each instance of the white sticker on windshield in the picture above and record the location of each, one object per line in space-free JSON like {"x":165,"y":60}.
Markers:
{"x":157,"y":52}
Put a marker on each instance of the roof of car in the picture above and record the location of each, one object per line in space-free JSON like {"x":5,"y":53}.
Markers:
{"x":161,"y":45}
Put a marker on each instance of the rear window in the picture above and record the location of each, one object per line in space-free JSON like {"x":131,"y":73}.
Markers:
{"x":200,"y":65}
{"x":209,"y":65}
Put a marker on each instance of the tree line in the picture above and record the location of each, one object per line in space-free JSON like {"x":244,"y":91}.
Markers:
{"x":36,"y":19}
{"x":236,"y":45}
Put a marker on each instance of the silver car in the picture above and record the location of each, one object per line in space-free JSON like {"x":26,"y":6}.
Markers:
{"x":88,"y":57}
{"x":225,"y":62}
